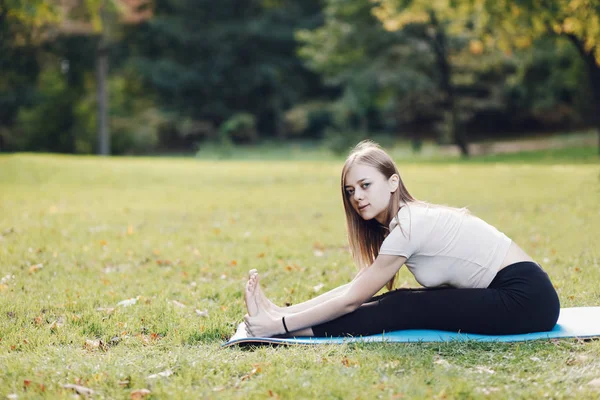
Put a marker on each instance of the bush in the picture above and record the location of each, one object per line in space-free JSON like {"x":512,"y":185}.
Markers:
{"x":341,"y":142}
{"x":240,"y":127}
{"x":308,"y":119}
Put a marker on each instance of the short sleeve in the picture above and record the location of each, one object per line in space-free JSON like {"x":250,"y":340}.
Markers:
{"x":399,"y":243}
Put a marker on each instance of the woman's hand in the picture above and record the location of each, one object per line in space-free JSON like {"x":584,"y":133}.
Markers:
{"x":264,"y":325}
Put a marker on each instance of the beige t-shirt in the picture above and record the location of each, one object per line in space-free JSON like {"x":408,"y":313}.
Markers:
{"x":445,"y":246}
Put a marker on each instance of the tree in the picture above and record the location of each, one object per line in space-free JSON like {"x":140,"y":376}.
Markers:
{"x":445,"y":20}
{"x":509,"y":24}
{"x":22,"y":27}
{"x":383,"y":74}
{"x":209,"y":62}
{"x":101,"y":18}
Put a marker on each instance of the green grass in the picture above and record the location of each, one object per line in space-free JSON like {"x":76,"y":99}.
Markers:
{"x":186,"y":230}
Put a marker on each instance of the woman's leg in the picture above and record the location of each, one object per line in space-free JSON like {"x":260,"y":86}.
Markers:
{"x":521,"y":299}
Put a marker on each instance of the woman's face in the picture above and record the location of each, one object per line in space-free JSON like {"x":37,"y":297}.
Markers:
{"x":369,"y":191}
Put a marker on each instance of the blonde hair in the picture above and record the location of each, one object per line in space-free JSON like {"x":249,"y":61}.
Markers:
{"x":365,"y":237}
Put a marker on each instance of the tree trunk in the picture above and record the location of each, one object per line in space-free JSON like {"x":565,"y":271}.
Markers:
{"x":102,"y":90}
{"x":101,"y":75}
{"x":440,"y":47}
{"x":593,"y":69}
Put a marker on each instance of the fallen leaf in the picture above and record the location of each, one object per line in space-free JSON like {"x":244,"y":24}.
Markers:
{"x":106,"y":310}
{"x":348,"y":363}
{"x":94,"y":344}
{"x":82,"y":390}
{"x":178,"y":304}
{"x":233,"y":263}
{"x":130,"y":230}
{"x":202,"y":313}
{"x":163,"y":374}
{"x":128,"y":302}
{"x":55,"y":325}
{"x":442,"y":362}
{"x":103,"y":243}
{"x":481,"y":368}
{"x":595,"y":383}
{"x":578,"y":359}
{"x":139,"y":394}
{"x":35,"y":268}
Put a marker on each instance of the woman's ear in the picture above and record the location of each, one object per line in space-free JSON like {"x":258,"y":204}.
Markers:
{"x":393,"y":182}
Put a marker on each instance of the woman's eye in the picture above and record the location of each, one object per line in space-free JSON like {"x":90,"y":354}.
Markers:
{"x":349,"y":192}
{"x":365,"y":185}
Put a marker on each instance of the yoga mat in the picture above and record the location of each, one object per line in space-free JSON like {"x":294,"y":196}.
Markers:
{"x":580,"y":322}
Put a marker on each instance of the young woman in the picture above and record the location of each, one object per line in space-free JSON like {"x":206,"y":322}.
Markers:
{"x":476,"y":279}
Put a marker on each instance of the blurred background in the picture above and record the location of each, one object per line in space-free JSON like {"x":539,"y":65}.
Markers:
{"x":185,"y":76}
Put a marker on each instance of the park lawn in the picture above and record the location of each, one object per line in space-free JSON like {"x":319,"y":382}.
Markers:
{"x":78,"y":235}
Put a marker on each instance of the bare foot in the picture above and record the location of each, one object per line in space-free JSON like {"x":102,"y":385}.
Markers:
{"x":250,"y":294}
{"x":263,"y":301}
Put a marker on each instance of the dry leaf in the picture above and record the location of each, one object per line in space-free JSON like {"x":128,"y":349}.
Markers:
{"x":128,"y":302}
{"x":91,"y":345}
{"x":82,"y":390}
{"x":481,"y":368}
{"x":35,"y":268}
{"x":178,"y":304}
{"x":54,"y":326}
{"x":348,"y":363}
{"x":578,"y":359}
{"x":139,"y":394}
{"x":163,"y":374}
{"x":202,"y":313}
{"x":595,"y":383}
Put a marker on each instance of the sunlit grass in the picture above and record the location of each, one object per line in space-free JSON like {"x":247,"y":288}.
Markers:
{"x":78,"y":235}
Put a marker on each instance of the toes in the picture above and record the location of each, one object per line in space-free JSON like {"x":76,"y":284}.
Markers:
{"x":252,"y":272}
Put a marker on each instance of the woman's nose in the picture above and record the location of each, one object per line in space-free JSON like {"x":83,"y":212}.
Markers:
{"x":358,"y":195}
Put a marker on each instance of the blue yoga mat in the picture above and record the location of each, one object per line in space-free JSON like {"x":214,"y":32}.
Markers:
{"x":580,"y":322}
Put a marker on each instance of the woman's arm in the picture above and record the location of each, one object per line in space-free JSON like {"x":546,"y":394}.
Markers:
{"x":362,"y":288}
{"x":296,"y":308}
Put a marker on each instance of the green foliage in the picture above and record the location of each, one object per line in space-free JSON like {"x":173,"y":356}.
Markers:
{"x":341,"y":142}
{"x":244,"y":59}
{"x":240,"y":127}
{"x":309,"y":119}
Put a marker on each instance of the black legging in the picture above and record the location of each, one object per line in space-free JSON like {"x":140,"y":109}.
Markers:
{"x":520,"y":299}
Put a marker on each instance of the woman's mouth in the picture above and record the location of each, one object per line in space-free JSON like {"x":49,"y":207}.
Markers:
{"x":361,"y":208}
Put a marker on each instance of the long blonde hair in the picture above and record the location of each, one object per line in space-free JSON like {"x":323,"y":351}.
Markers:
{"x":365,"y":237}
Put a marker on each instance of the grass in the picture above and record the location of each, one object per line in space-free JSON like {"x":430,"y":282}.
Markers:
{"x":78,"y":235}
